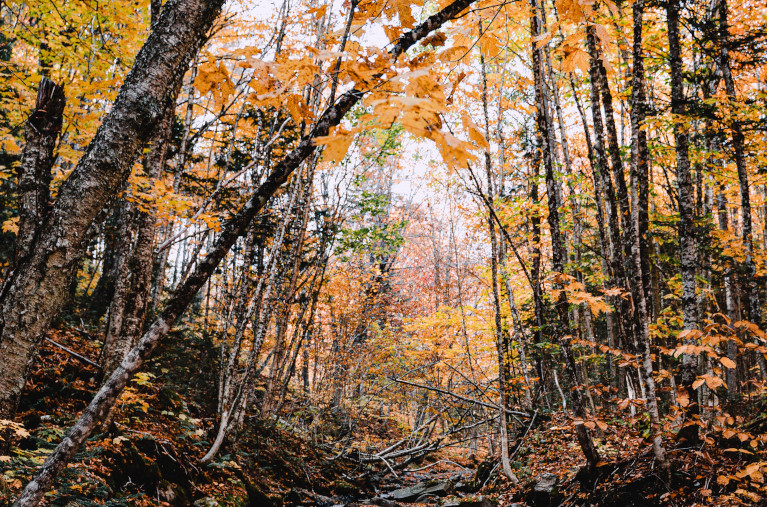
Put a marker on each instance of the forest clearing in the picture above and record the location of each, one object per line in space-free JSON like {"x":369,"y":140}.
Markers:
{"x":466,"y":253}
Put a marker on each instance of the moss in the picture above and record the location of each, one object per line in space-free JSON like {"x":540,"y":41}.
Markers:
{"x":344,"y":488}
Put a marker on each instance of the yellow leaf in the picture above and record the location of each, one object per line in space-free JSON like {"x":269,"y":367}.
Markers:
{"x":569,"y":10}
{"x":336,"y":144}
{"x":11,"y":225}
{"x":601,"y":32}
{"x":727,"y":362}
{"x":474,"y":133}
{"x":713,"y":382}
{"x":453,"y":53}
{"x":576,"y":58}
{"x":297,"y":109}
{"x":542,"y":39}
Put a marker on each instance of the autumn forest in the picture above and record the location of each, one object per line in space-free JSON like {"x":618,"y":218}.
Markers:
{"x":451,"y":252}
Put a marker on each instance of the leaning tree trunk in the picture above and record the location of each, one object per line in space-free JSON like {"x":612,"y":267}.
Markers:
{"x":35,"y":290}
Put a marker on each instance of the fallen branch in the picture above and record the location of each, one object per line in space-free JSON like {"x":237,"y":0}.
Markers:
{"x":73,"y":353}
{"x":411,"y":470}
{"x":522,"y":439}
{"x":463,"y":398}
{"x":234,"y":228}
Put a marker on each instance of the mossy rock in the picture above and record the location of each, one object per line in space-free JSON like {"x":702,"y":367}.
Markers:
{"x":344,"y":488}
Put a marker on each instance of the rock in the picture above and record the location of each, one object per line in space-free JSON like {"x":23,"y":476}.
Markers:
{"x":545,"y":492}
{"x":430,"y":488}
{"x":344,"y":488}
{"x":471,"y":502}
{"x":171,"y":493}
{"x":205,"y":502}
{"x":294,"y":497}
{"x":302,"y":497}
{"x":480,"y":477}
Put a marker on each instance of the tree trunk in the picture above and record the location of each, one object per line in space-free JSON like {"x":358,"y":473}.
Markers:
{"x":233,"y":229}
{"x":640,"y":173}
{"x":42,"y":131}
{"x":605,"y":186}
{"x":34,"y":292}
{"x":687,"y":240}
{"x":558,"y":247}
{"x":501,"y":342}
{"x":128,"y":310}
{"x":739,"y":149}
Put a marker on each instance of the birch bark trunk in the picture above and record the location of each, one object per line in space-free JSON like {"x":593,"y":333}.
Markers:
{"x":687,"y":240}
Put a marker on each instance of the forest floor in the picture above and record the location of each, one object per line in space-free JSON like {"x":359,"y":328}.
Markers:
{"x":150,"y":454}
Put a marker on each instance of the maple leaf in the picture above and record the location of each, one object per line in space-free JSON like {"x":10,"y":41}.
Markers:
{"x":575,"y":58}
{"x":336,"y":144}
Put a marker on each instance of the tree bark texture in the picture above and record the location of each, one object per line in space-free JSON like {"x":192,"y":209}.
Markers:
{"x":739,"y":153}
{"x":34,"y":292}
{"x":558,"y":247}
{"x":640,"y":175}
{"x":41,"y":132}
{"x":128,"y":310}
{"x":687,"y":242}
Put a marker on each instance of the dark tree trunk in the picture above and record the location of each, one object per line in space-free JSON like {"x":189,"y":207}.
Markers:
{"x":128,"y":309}
{"x":558,"y":249}
{"x":687,"y":242}
{"x":42,"y":131}
{"x":639,"y":241}
{"x":611,"y":208}
{"x":104,"y":291}
{"x":739,"y":152}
